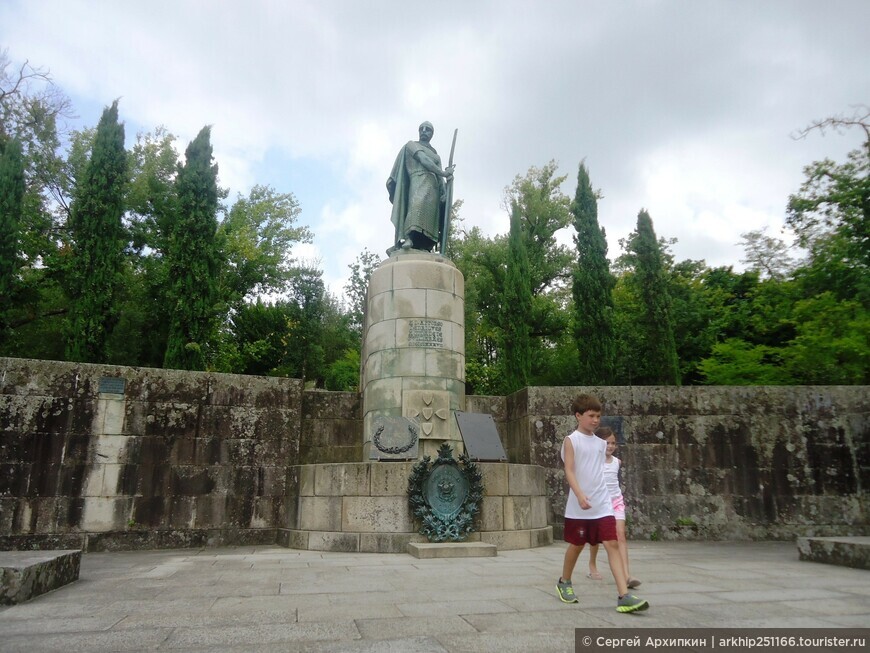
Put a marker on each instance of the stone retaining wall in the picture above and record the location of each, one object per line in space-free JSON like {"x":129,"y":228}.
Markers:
{"x":717,"y":462}
{"x":193,"y":458}
{"x":166,"y":458}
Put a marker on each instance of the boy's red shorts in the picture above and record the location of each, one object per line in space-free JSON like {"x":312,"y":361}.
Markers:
{"x":590,"y":531}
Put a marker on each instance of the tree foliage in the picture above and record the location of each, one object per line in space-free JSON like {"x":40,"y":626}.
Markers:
{"x":483,"y":263}
{"x":592,"y":289}
{"x":149,"y":265}
{"x":831,"y":211}
{"x":517,"y":299}
{"x":258,"y":235}
{"x":98,"y":241}
{"x":767,"y":255}
{"x":11,"y":209}
{"x":357,"y":286}
{"x":193,"y":259}
{"x":655,"y":352}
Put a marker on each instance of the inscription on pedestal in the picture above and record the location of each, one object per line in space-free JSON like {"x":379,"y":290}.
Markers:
{"x":426,"y":333}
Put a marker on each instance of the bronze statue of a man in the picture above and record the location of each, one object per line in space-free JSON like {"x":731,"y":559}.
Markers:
{"x":418,"y":193}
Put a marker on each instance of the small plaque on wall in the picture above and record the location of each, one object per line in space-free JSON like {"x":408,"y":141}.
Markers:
{"x":426,"y":333}
{"x":614,"y":422}
{"x":395,"y":438}
{"x":112,"y":385}
{"x":480,"y":436}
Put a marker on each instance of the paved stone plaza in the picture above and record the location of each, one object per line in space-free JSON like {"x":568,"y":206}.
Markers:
{"x":252,"y":599}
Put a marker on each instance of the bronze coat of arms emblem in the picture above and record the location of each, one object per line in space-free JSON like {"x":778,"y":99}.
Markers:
{"x":445,"y":495}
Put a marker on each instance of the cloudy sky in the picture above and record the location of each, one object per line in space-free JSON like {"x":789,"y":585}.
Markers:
{"x":685,"y":108}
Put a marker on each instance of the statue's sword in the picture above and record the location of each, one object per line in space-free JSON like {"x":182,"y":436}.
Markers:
{"x":449,"y":202}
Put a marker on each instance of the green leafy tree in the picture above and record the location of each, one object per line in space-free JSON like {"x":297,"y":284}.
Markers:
{"x":260,"y":332}
{"x":343,"y":374}
{"x":831,"y":216}
{"x":543,"y":210}
{"x":737,"y":362}
{"x":836,"y":197}
{"x":11,"y":208}
{"x":483,"y":263}
{"x":32,"y":110}
{"x":258,"y":235}
{"x":768,"y":256}
{"x":832,"y":344}
{"x":98,"y":242}
{"x":517,"y":300}
{"x":193,"y":259}
{"x":357,"y":286}
{"x":152,"y":195}
{"x":693,"y":316}
{"x":306,"y":359}
{"x":592,"y":289}
{"x":656,"y":360}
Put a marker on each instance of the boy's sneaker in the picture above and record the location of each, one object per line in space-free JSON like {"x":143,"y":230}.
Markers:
{"x":633,"y":583}
{"x":630,"y":603}
{"x":566,"y":591}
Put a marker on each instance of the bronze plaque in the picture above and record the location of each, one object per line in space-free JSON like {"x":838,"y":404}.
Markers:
{"x":112,"y":385}
{"x":480,"y":436}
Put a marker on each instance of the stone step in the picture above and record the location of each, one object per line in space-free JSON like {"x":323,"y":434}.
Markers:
{"x":452,"y":550}
{"x":370,"y":542}
{"x":844,"y":551}
{"x":26,"y":574}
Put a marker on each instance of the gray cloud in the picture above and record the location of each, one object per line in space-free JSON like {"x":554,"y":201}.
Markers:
{"x":684,"y":108}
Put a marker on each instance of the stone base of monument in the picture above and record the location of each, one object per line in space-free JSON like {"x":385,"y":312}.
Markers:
{"x":364,"y":507}
{"x":452,"y":550}
{"x":26,"y":574}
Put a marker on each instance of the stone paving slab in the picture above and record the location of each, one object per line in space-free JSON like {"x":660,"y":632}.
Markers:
{"x":260,"y":599}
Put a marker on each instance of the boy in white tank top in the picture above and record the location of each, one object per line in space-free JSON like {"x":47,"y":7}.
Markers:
{"x":589,"y":512}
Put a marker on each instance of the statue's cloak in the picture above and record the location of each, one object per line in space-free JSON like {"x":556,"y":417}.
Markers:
{"x":415,"y":193}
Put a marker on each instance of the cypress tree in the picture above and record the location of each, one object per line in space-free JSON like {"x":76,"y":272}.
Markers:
{"x":98,"y":242}
{"x":592,"y":289}
{"x":193,"y":260}
{"x":11,"y":207}
{"x":660,"y":363}
{"x":517,"y":309}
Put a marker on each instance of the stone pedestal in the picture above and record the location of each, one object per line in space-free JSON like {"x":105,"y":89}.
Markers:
{"x":363,"y":507}
{"x":413,"y":350}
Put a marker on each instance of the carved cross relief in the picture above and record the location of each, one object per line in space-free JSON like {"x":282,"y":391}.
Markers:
{"x":431,"y":408}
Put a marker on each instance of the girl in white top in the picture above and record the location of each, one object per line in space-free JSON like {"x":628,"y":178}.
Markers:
{"x":611,"y":478}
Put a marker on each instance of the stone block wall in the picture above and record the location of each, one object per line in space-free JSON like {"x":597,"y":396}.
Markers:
{"x":163,"y":458}
{"x":157,"y":458}
{"x":716,"y":462}
{"x":331,"y":428}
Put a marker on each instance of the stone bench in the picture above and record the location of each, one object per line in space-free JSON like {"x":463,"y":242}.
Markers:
{"x":25,"y":574}
{"x":845,"y":551}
